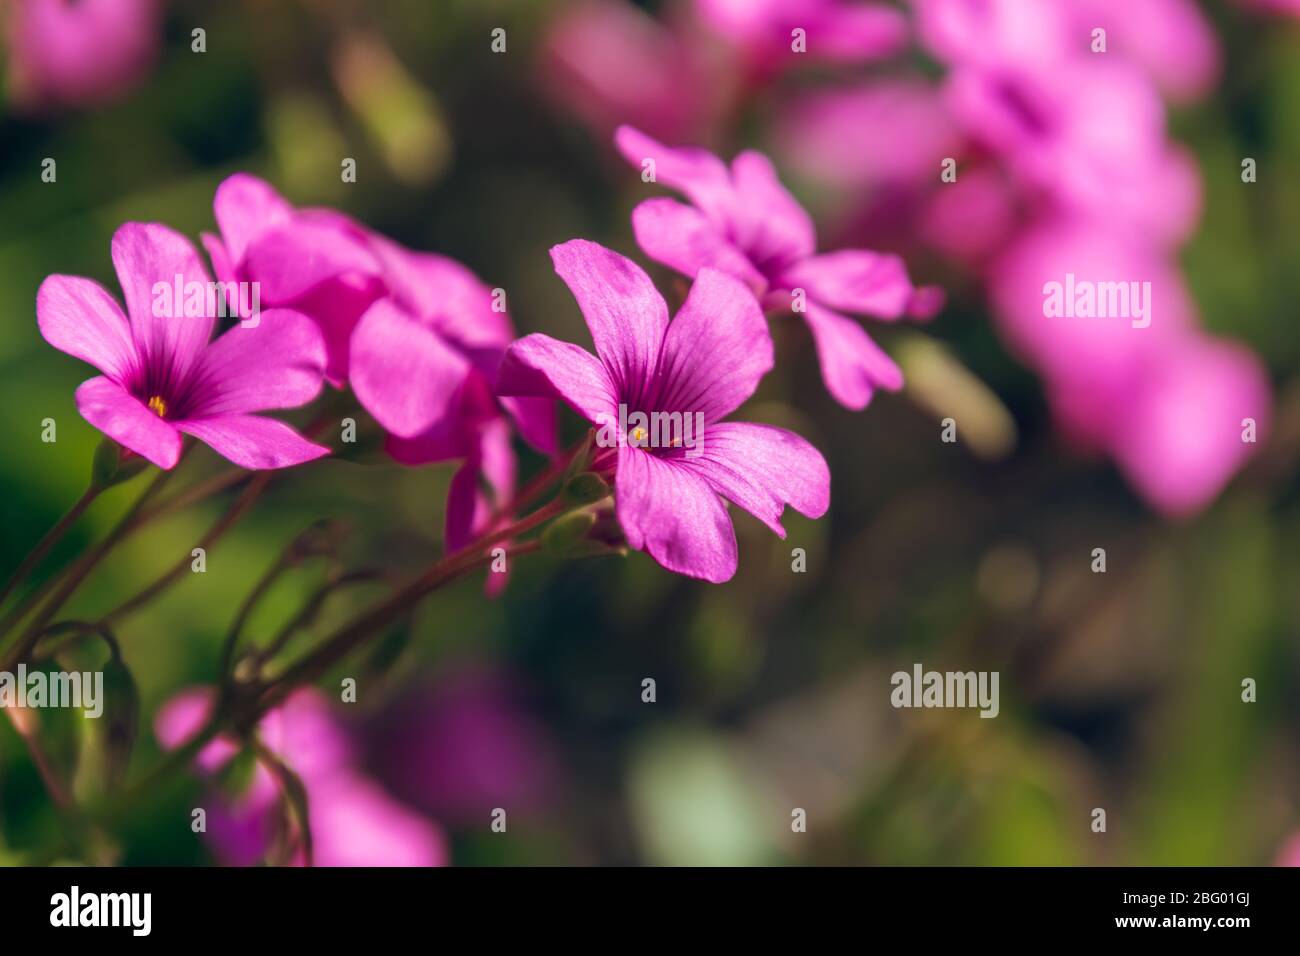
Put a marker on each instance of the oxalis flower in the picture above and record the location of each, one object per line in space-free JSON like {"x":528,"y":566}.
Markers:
{"x":417,"y":335}
{"x":162,"y":377}
{"x":744,"y":222}
{"x":701,"y":366}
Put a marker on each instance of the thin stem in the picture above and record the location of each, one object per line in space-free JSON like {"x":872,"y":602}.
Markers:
{"x":49,"y":776}
{"x":214,"y":534}
{"x":543,"y":480}
{"x":72,"y":580}
{"x":294,"y":793}
{"x":352,"y":635}
{"x":49,"y":540}
{"x":310,"y":611}
{"x":200,"y":491}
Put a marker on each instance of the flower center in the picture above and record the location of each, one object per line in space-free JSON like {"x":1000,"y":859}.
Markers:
{"x":158,"y":406}
{"x":638,"y":435}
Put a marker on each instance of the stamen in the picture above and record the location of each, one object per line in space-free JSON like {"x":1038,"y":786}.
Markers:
{"x":158,"y":406}
{"x":638,"y":435}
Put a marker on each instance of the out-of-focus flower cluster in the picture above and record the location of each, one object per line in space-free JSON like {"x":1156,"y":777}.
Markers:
{"x":1040,"y":156}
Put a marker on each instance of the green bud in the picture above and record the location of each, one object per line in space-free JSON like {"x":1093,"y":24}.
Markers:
{"x":585,"y":489}
{"x":121,"y":719}
{"x":109,"y":468}
{"x":566,"y":532}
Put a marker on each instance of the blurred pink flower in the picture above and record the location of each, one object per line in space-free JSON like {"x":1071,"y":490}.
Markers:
{"x":162,"y":377}
{"x":64,"y":54}
{"x":836,"y":31}
{"x":463,"y":745}
{"x":353,"y":821}
{"x":704,"y":363}
{"x":1169,"y":40}
{"x":1167,"y":402}
{"x":838,"y":137}
{"x":609,"y":63}
{"x":744,"y":222}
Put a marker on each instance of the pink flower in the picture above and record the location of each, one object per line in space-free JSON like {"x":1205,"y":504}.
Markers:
{"x":1168,"y":402}
{"x":834,"y":135}
{"x":417,"y":335}
{"x":353,"y":821}
{"x":744,"y":222}
{"x":702,"y":366}
{"x":315,"y":261}
{"x":609,"y":63}
{"x":439,"y":319}
{"x":1085,"y":130}
{"x":162,"y":377}
{"x":71,"y":54}
{"x":1169,"y":40}
{"x":835,"y":31}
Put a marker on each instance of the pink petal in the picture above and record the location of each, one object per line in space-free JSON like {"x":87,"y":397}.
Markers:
{"x":222,"y":265}
{"x":355,"y":823}
{"x":540,"y":366}
{"x":126,"y":420}
{"x":183,"y":716}
{"x":337,"y":307}
{"x":247,"y":207}
{"x":683,"y":238}
{"x":79,"y":317}
{"x":855,"y":280}
{"x":703,"y":177}
{"x":852,"y":33}
{"x":148,"y":253}
{"x":670,"y":512}
{"x":276,"y":364}
{"x":402,"y":371}
{"x":762,"y":469}
{"x":535,"y":419}
{"x":716,"y":351}
{"x":445,"y":295}
{"x":625,"y":312}
{"x":771,"y":227}
{"x":1180,"y":434}
{"x":304,"y":733}
{"x":464,"y":507}
{"x":853,"y":366}
{"x":251,"y":441}
{"x":77,"y":54}
{"x":292,"y":259}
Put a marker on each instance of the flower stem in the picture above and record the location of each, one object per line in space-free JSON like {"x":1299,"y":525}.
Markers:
{"x":50,"y":539}
{"x":71,"y":581}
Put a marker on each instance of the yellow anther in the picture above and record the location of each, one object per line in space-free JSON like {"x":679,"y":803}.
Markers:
{"x":158,"y":406}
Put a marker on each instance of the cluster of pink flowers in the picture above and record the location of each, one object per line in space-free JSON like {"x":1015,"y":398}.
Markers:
{"x":428,"y":351}
{"x":1050,"y":124}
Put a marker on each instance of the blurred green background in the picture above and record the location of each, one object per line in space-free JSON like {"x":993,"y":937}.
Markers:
{"x":1120,"y":691}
